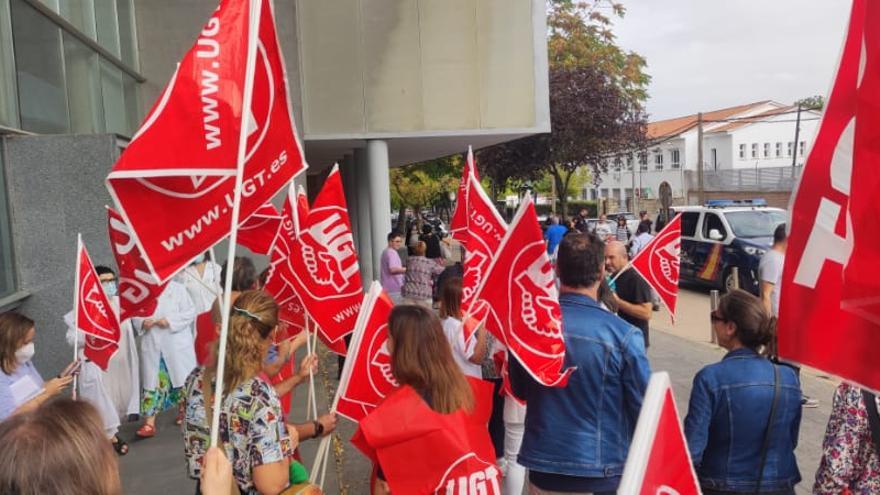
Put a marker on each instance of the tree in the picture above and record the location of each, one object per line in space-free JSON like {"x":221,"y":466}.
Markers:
{"x":815,"y":102}
{"x":424,"y":184}
{"x":597,"y":95}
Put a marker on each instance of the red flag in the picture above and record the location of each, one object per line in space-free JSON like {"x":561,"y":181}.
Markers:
{"x":366,"y":377}
{"x":322,"y":267}
{"x":658,"y":263}
{"x":138,"y":289}
{"x":174,"y":184}
{"x":425,"y":452}
{"x":658,"y":462}
{"x":258,"y":232}
{"x":302,"y":207}
{"x":519,"y":290}
{"x":291,"y":310}
{"x":93,"y":314}
{"x":458,"y":224}
{"x":828,"y":307}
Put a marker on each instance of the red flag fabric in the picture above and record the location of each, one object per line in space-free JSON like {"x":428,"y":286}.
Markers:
{"x":258,"y":232}
{"x":174,"y":183}
{"x":322,"y":268}
{"x":424,"y":452}
{"x":828,"y":305}
{"x":207,"y":332}
{"x":658,"y":263}
{"x":458,"y":224}
{"x":519,"y":291}
{"x":367,"y":380}
{"x":94,"y":316}
{"x":302,"y":207}
{"x":138,"y":288}
{"x":658,"y":462}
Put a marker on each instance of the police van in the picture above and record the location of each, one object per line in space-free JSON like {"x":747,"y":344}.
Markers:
{"x":725,"y":234}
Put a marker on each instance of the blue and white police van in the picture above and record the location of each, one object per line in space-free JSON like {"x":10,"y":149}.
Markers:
{"x":724,"y":234}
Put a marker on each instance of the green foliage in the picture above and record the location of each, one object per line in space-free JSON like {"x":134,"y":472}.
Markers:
{"x":425,"y":184}
{"x":815,"y":102}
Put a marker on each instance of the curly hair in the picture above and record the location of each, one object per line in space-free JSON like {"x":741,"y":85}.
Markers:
{"x":251,"y":321}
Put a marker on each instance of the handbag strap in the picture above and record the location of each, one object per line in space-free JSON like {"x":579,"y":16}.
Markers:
{"x":769,"y":429}
{"x":873,"y":417}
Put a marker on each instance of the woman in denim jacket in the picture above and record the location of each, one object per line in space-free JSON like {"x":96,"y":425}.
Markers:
{"x":730,"y":408}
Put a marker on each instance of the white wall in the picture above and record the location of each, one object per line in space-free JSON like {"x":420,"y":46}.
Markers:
{"x":776,"y":132}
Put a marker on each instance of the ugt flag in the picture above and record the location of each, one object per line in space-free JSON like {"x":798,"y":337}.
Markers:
{"x":424,"y":452}
{"x":658,"y":263}
{"x":829,"y":314}
{"x":258,"y":232}
{"x":519,"y":291}
{"x":138,"y":289}
{"x":658,"y":462}
{"x":322,"y":267}
{"x":174,"y":184}
{"x":458,"y":224}
{"x":366,"y":378}
{"x":93,"y":314}
{"x":291,"y":312}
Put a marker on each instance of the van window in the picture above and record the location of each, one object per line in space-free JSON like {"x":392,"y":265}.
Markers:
{"x":713,"y":221}
{"x":689,"y":223}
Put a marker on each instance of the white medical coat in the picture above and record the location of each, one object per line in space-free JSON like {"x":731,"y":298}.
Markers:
{"x":174,"y":344}
{"x":203,"y":289}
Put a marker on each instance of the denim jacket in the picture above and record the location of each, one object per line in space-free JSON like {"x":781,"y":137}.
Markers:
{"x":585,"y":428}
{"x":727,"y":419}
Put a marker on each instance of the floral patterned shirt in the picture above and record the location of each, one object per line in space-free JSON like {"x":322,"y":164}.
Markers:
{"x":419,"y":278}
{"x":849,"y":457}
{"x":251,"y":428}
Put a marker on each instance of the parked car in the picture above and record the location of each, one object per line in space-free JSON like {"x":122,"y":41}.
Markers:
{"x":593,"y":222}
{"x":725,"y":234}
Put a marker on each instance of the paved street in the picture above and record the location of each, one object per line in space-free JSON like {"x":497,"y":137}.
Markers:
{"x":156,"y":466}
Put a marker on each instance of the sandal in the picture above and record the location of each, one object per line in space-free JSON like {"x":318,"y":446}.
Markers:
{"x":146,"y":431}
{"x":119,"y":446}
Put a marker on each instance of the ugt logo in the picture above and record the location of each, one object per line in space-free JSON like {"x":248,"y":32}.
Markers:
{"x":537,"y":296}
{"x":94,"y":308}
{"x":328,"y":249}
{"x":470,"y":475}
{"x":380,"y":375}
{"x":665,"y":260}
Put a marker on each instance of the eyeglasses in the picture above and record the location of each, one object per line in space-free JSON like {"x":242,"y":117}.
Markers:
{"x":714,"y":317}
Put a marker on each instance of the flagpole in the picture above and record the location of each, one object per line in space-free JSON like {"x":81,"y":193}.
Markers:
{"x":76,"y":310}
{"x":313,"y":402}
{"x":255,"y":7}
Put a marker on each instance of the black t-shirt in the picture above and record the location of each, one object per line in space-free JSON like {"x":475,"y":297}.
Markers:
{"x":632,"y":288}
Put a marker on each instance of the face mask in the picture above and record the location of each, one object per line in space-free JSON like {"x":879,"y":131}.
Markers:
{"x":110,"y":288}
{"x":25,"y":353}
{"x":198,"y":259}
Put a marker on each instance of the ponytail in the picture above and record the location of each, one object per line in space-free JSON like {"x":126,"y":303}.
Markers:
{"x":754,"y":327}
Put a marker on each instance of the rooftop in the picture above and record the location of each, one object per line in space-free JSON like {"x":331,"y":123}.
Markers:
{"x":673,"y":127}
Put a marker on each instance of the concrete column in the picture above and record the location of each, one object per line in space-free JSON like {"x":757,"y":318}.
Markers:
{"x":380,"y":198}
{"x":349,"y":184}
{"x":362,"y":208}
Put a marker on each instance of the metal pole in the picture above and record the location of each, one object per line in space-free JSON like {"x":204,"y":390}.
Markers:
{"x":701,"y":194}
{"x":714,"y":301}
{"x":734,"y":272}
{"x":797,"y":131}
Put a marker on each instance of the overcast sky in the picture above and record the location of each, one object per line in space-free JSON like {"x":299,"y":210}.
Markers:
{"x":705,"y":55}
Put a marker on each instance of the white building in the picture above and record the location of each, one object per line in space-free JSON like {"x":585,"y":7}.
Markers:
{"x":754,"y":136}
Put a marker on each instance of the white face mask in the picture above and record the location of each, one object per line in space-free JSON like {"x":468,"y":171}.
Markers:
{"x":110,"y":288}
{"x":25,"y":353}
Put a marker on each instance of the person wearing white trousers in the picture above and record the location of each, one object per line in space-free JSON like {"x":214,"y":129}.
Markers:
{"x":514,"y":427}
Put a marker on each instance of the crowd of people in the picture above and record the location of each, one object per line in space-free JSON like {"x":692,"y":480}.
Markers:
{"x":742,"y":423}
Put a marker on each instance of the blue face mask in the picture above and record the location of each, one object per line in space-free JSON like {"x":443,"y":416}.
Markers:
{"x":198,"y":259}
{"x":110,"y":288}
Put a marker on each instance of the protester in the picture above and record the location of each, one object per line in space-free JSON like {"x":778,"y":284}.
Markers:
{"x":571,"y":224}
{"x":252,"y":432}
{"x":418,"y":285}
{"x":422,"y":363}
{"x":58,"y":447}
{"x":244,"y":275}
{"x":553,"y":235}
{"x":643,"y":238}
{"x":432,"y":243}
{"x":392,"y":270}
{"x":203,"y":282}
{"x":632,"y":294}
{"x":467,"y":355}
{"x":770,"y":275}
{"x":452,"y":271}
{"x":577,"y":437}
{"x":850,"y":459}
{"x":744,"y":412}
{"x":21,"y":387}
{"x":622,"y":233}
{"x":581,"y":223}
{"x":167,"y":353}
{"x":602,"y":229}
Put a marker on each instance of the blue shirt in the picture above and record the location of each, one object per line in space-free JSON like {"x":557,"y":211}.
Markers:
{"x":554,"y":235}
{"x":19,"y":387}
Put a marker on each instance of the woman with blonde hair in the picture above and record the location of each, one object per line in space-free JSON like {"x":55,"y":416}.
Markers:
{"x":59,"y":447}
{"x":433,"y":388}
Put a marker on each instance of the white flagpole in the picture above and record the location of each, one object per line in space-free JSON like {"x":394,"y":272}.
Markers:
{"x":253,"y":33}
{"x":76,"y":310}
{"x":312,"y":413}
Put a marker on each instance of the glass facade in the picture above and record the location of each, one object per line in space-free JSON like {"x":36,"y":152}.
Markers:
{"x":53,"y":82}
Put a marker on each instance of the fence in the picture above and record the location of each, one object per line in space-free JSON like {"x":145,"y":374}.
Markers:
{"x":781,"y":179}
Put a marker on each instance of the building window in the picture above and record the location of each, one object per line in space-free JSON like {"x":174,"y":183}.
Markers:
{"x":618,"y":164}
{"x":658,"y":160}
{"x":778,"y":150}
{"x":675,"y":158}
{"x":604,"y":192}
{"x":802,"y":148}
{"x":754,"y":150}
{"x":766,"y":150}
{"x":742,"y":152}
{"x":714,"y":154}
{"x":790,"y":148}
{"x":643,"y":161}
{"x":8,"y":92}
{"x":629,"y":163}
